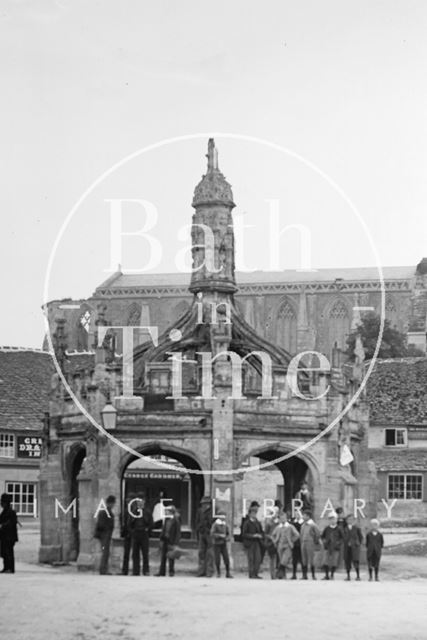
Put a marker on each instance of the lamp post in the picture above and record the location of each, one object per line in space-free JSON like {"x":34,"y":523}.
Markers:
{"x":109,"y":416}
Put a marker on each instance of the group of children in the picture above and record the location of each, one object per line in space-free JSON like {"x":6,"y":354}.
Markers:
{"x":290,"y":542}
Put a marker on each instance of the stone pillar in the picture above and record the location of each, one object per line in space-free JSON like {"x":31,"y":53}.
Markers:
{"x":306,"y":337}
{"x":51,"y":487}
{"x":89,"y":499}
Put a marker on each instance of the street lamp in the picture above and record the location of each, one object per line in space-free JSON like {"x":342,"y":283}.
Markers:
{"x":109,"y":417}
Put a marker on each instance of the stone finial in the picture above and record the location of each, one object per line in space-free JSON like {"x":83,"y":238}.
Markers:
{"x":60,"y":341}
{"x":213,"y":187}
{"x":212,"y":156}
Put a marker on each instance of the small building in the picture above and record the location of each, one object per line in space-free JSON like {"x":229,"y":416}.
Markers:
{"x":25,"y":376}
{"x":397,"y":395}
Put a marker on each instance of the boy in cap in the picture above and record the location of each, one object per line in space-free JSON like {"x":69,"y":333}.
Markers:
{"x":284,"y":537}
{"x":332,"y":537}
{"x":352,"y":542}
{"x":374,"y":545}
{"x":220,"y":535}
{"x":310,"y":542}
{"x":252,"y":536}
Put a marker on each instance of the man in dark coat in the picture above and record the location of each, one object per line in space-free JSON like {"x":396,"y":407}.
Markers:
{"x":296,"y":521}
{"x":126,"y":535}
{"x":332,"y":537}
{"x":374,"y":546}
{"x":203,"y":529}
{"x":104,"y":531}
{"x":352,"y":541}
{"x":8,"y":533}
{"x":253,"y":505}
{"x":252,"y":535}
{"x":140,"y":526}
{"x":169,"y":538}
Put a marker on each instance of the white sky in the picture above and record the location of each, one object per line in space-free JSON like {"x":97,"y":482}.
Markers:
{"x":85,"y":83}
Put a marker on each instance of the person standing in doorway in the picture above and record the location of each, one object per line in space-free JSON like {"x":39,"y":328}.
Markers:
{"x":8,"y":533}
{"x":304,"y":495}
{"x":203,"y":529}
{"x":252,"y":540}
{"x":104,"y":532}
{"x":140,"y":527}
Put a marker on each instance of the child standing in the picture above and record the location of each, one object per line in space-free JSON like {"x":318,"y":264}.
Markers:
{"x":270,"y":525}
{"x":310,"y":542}
{"x":374,"y":545}
{"x":332,"y":537}
{"x":284,"y":538}
{"x":352,"y":542}
{"x":220,"y":535}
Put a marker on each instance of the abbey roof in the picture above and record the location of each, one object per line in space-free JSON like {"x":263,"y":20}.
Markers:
{"x":120,"y":280}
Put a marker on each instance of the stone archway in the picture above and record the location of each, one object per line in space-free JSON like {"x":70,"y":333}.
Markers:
{"x":293,"y":470}
{"x":184,"y":488}
{"x":74,"y":465}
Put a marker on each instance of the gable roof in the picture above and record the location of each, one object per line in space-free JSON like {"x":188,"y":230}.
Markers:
{"x":25,"y":378}
{"x":120,"y":280}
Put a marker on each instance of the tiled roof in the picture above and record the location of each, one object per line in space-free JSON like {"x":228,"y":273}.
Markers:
{"x":397,"y":391}
{"x":25,"y":378}
{"x":120,"y":280}
{"x":80,"y":361}
{"x":399,"y":459}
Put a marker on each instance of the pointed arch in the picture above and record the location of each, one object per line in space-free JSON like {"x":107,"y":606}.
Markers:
{"x":391,"y":312}
{"x":134,"y":315}
{"x":338,"y":324}
{"x":83,"y":323}
{"x":286,"y":326}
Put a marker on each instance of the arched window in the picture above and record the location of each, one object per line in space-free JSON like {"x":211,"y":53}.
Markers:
{"x":83,"y":328}
{"x":391,"y":313}
{"x":85,"y":320}
{"x":338,"y":325}
{"x":134,"y":315}
{"x":287,"y":328}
